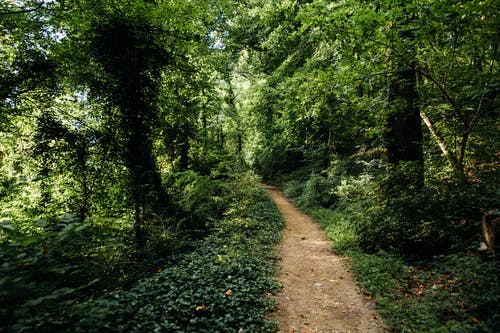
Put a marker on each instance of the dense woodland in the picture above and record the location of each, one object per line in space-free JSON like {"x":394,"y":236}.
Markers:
{"x":134,"y":133}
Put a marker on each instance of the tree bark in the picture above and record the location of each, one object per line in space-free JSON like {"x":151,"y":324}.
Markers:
{"x":404,"y":129}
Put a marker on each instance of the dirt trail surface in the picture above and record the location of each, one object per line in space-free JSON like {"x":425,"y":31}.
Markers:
{"x":319,"y":293}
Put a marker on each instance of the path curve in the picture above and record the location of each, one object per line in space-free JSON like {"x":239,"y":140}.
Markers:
{"x":319,"y":293}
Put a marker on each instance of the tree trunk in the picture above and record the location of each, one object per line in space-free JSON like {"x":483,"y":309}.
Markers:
{"x":455,"y":163}
{"x":404,"y":129}
{"x":138,"y":228}
{"x":184,"y":149}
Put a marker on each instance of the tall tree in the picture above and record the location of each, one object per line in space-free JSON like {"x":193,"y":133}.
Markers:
{"x":404,"y":140}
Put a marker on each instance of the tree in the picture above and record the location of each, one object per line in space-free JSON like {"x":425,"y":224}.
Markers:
{"x":115,"y":57}
{"x":458,"y":57}
{"x":124,"y":44}
{"x":404,"y":139}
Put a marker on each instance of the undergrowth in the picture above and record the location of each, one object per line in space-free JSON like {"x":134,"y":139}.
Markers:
{"x":415,"y":255}
{"x":220,"y":285}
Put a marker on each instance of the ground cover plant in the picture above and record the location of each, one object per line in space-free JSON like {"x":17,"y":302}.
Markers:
{"x":222,"y":284}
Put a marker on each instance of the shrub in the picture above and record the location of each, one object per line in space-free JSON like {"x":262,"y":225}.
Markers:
{"x":293,"y":189}
{"x":317,"y":192}
{"x":448,"y":293}
{"x":46,"y":272}
{"x":220,"y":286}
{"x":196,"y":199}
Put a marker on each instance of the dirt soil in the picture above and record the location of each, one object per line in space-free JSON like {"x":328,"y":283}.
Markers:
{"x":319,"y":292}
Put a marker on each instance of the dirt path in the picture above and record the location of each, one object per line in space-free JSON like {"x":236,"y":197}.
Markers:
{"x":319,"y":293}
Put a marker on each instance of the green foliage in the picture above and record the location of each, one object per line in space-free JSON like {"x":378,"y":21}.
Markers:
{"x":453,"y":293}
{"x":315,"y":192}
{"x":410,"y":251}
{"x":222,"y":285}
{"x":197,"y":199}
{"x":100,"y":142}
{"x":276,"y":157}
{"x":326,"y":76}
{"x":338,"y":226}
{"x":342,"y":204}
{"x":49,"y":271}
{"x":418,"y":223}
{"x":100,"y":102}
{"x":293,"y":188}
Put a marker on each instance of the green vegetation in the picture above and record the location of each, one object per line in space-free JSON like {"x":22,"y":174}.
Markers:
{"x":379,"y":120}
{"x":422,"y":267}
{"x":123,"y":203}
{"x":128,"y":129}
{"x":219,"y":283}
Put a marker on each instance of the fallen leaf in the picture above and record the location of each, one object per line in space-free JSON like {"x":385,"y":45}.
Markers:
{"x":200,"y":307}
{"x":420,"y":290}
{"x":229,"y":292}
{"x":368,"y":298}
{"x":475,"y":320}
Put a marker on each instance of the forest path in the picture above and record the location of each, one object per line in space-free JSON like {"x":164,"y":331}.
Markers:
{"x":319,"y":293}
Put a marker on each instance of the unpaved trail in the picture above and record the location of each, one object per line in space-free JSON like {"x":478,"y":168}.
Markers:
{"x":319,"y":293}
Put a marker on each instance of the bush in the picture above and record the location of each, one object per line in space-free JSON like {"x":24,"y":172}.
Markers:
{"x":196,"y":200}
{"x":410,"y":249}
{"x":338,"y":227}
{"x":317,"y":191}
{"x":293,"y":189}
{"x":448,"y":293}
{"x":46,"y":272}
{"x":220,"y":286}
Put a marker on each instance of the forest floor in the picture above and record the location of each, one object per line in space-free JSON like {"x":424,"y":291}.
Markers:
{"x":319,"y":292}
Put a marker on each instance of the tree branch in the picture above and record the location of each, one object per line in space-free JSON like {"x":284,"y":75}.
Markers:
{"x":480,"y":107}
{"x":455,"y":163}
{"x":23,"y":11}
{"x":432,"y":130}
{"x":448,"y":98}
